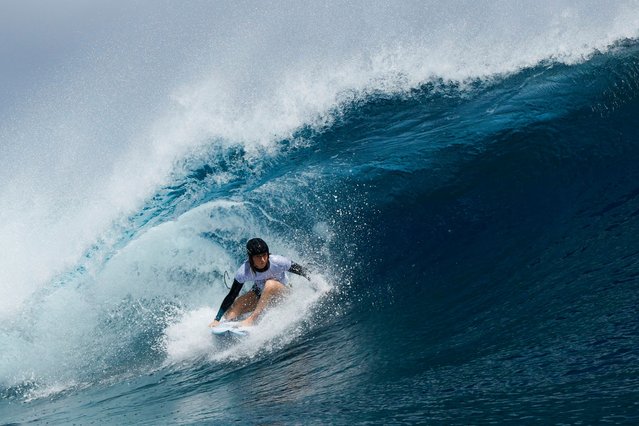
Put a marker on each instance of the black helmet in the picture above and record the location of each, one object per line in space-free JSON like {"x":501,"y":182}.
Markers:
{"x":256,"y":246}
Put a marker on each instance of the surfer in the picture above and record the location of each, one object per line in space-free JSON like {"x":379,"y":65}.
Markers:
{"x":268,"y":273}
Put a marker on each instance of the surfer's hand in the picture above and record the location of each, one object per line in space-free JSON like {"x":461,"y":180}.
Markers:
{"x":215,"y":323}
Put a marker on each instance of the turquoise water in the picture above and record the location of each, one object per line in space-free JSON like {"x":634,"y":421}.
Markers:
{"x":466,"y":200}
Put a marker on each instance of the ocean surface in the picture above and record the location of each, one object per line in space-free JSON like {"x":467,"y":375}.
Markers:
{"x":462,"y":180}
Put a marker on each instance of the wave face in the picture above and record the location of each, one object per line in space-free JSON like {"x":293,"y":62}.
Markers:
{"x":464,"y":191}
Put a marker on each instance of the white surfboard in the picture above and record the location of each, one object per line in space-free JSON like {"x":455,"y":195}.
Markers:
{"x":230,"y":329}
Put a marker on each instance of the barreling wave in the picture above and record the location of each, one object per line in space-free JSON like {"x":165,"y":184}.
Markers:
{"x":470,"y":235}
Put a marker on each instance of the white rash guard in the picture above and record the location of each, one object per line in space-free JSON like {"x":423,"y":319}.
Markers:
{"x":278,"y":265}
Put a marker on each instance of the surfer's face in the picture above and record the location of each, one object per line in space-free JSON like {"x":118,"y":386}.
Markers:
{"x":260,"y":260}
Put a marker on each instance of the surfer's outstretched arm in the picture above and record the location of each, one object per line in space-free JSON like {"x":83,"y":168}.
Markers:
{"x":299,"y":270}
{"x":227,"y":302}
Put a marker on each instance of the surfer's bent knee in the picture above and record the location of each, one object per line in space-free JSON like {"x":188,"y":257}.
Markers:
{"x":273,"y":285}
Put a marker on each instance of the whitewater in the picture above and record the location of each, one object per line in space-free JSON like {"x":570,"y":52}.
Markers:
{"x":460,"y":178}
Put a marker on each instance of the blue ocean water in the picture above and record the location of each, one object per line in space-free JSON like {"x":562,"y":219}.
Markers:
{"x":471,"y":237}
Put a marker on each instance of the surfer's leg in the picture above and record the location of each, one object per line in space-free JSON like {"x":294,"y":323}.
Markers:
{"x":243,"y":304}
{"x":272,"y":291}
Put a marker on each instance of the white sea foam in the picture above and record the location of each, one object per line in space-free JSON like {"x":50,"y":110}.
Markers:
{"x":188,"y":338}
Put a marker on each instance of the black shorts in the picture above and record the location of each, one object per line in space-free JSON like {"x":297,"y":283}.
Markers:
{"x":255,"y":289}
